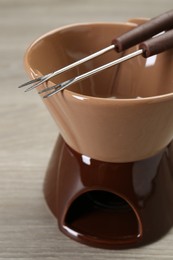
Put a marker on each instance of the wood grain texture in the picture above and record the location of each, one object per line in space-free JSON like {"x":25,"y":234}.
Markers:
{"x":28,"y":133}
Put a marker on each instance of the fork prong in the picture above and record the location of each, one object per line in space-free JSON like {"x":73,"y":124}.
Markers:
{"x":42,"y":80}
{"x":60,"y":87}
{"x":38,"y":81}
{"x":47,"y":89}
{"x":30,"y":82}
{"x":35,"y":85}
{"x":56,"y":88}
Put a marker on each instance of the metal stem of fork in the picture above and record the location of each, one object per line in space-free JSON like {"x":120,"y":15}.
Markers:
{"x":67,"y":83}
{"x":74,"y":64}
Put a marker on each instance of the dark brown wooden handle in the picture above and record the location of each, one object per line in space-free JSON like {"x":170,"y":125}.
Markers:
{"x":145,"y":31}
{"x":157,"y":44}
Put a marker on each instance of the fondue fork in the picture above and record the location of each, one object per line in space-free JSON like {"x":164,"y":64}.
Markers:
{"x":148,"y":48}
{"x":135,"y":36}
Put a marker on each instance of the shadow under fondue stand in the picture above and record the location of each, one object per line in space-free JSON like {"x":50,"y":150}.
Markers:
{"x":109,"y":182}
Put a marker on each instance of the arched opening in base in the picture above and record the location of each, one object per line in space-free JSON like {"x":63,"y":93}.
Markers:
{"x":103,"y":215}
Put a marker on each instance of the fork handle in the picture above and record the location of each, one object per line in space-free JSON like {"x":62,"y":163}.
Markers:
{"x":144,"y":31}
{"x":157,"y":44}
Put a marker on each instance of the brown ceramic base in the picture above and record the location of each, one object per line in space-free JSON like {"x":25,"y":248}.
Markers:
{"x":110,"y":205}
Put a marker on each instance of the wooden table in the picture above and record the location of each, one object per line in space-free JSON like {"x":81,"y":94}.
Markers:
{"x":28,"y":133}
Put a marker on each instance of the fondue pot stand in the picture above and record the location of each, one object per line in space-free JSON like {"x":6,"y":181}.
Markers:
{"x":109,"y":182}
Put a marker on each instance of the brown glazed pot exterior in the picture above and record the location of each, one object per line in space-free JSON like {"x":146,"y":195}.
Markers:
{"x":122,"y":114}
{"x":110,"y":205}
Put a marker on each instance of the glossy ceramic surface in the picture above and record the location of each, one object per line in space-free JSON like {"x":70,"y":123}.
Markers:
{"x":110,"y":205}
{"x":109,"y":181}
{"x":119,"y":115}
